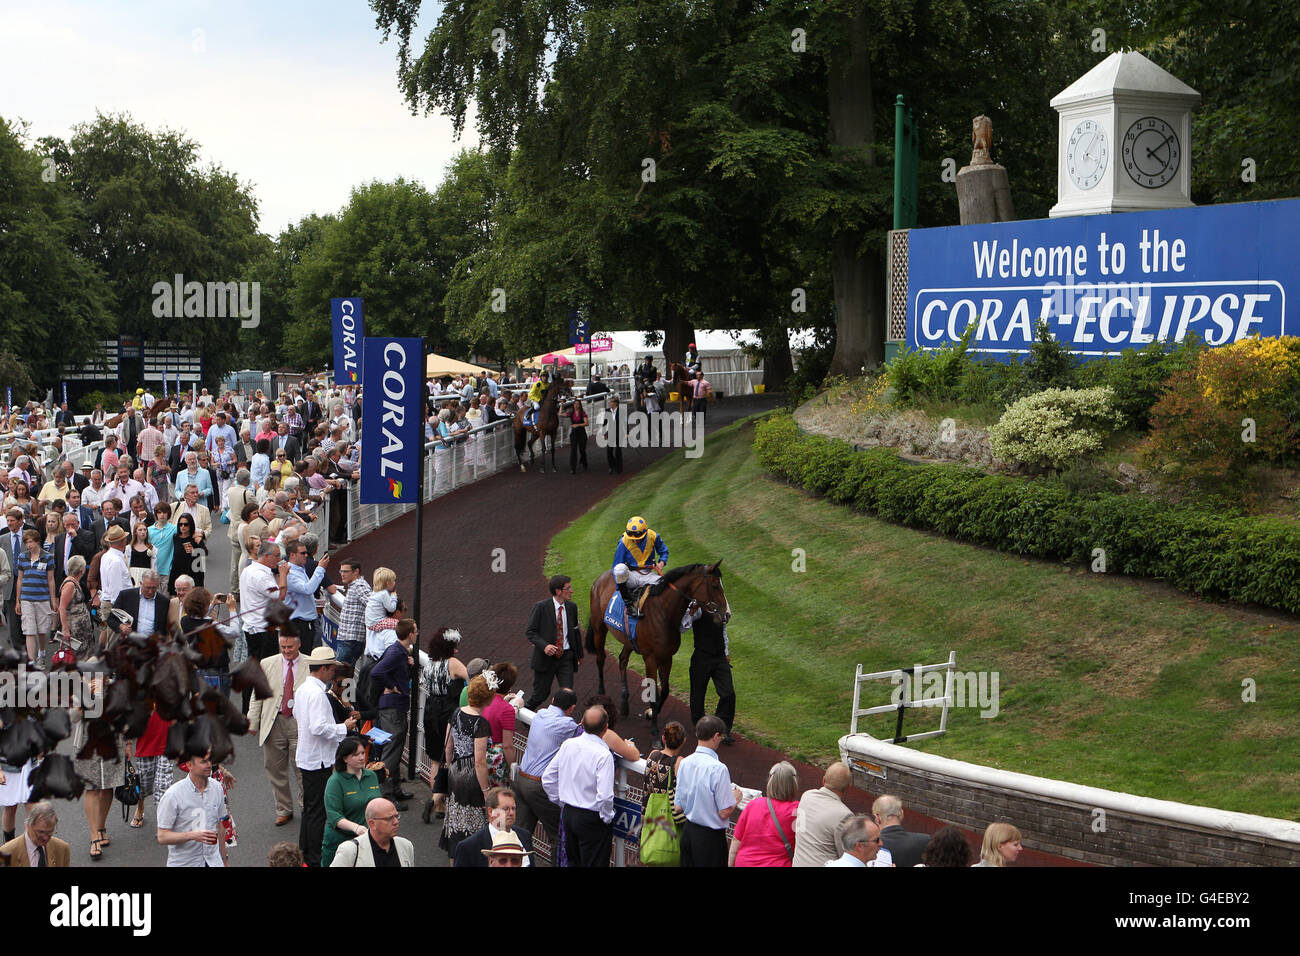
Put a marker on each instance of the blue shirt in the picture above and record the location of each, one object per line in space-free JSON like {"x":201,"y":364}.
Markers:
{"x":259,"y":469}
{"x":704,"y":789}
{"x":300,"y":594}
{"x":200,"y":478}
{"x":164,"y":540}
{"x":551,"y":727}
{"x":36,"y":576}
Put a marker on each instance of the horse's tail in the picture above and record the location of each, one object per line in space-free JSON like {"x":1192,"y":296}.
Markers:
{"x":589,"y":640}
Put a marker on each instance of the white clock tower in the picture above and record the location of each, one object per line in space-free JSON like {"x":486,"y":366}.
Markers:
{"x":1124,"y":139}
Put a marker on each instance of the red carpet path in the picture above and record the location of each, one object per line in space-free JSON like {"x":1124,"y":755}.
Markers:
{"x":521,"y":513}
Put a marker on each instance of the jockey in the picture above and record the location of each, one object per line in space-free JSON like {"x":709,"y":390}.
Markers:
{"x":692,"y":359}
{"x":639,"y":559}
{"x":535,"y":399}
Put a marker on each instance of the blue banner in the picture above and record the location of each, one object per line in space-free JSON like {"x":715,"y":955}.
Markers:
{"x":349,"y":335}
{"x":65,"y":393}
{"x":1107,"y":283}
{"x":627,"y":820}
{"x":390,"y":420}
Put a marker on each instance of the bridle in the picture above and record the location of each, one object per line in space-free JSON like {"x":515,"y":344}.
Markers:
{"x":708,"y":607}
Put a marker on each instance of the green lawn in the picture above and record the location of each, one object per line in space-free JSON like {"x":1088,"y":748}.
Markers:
{"x":1104,"y":681}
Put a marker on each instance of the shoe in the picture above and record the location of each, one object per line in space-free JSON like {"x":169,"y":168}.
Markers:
{"x":283,"y":819}
{"x":96,"y":853}
{"x":401,"y":806}
{"x":137,"y":822}
{"x":400,"y":794}
{"x":103,"y":838}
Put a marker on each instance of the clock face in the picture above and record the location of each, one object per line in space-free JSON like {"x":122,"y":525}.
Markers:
{"x":1086,"y":154}
{"x":1151,"y":152}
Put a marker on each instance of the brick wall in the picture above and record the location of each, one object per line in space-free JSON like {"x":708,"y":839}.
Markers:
{"x":1055,"y":826}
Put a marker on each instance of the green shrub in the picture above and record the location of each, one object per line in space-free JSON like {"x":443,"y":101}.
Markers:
{"x":1049,"y":365}
{"x":1054,"y":427}
{"x":986,"y":381}
{"x":933,"y":374}
{"x":112,"y":401}
{"x":1137,"y":376}
{"x":1211,"y":553}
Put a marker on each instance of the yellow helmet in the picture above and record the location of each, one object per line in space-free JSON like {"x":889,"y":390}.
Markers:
{"x":636,"y":527}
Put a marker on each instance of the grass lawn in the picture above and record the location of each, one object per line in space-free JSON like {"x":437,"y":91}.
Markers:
{"x":1103,"y":681}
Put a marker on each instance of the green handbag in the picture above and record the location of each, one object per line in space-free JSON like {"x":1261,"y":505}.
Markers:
{"x":660,"y":839}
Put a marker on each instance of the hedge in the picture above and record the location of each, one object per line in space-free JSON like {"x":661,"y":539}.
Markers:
{"x":1217,"y":556}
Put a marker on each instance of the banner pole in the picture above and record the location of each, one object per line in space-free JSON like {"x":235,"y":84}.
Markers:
{"x":419,"y":564}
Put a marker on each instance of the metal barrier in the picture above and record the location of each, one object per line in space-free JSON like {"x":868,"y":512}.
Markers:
{"x":479,"y":453}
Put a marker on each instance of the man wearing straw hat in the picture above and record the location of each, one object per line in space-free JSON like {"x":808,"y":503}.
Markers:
{"x":318,"y":741}
{"x":506,"y":850}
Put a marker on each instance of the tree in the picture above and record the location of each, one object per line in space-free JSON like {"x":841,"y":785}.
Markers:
{"x":152,"y":213}
{"x":383,"y":248}
{"x":54,"y":303}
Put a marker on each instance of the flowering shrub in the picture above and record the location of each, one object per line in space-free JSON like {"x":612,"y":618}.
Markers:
{"x":1054,"y":427}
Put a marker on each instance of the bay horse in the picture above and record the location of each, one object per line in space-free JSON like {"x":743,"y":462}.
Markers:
{"x":682,"y":380}
{"x":658,"y":633}
{"x":548,"y":424}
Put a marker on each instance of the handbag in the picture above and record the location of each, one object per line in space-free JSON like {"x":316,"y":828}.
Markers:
{"x":129,"y":792}
{"x":660,"y":838}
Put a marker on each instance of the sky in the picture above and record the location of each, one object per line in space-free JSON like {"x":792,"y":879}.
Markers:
{"x":298,"y":99}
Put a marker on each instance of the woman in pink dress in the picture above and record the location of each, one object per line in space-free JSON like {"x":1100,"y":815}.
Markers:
{"x":500,"y":715}
{"x":764,"y":834}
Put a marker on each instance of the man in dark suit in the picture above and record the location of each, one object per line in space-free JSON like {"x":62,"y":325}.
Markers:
{"x":613,"y":450}
{"x":556,"y":636}
{"x":81,"y":480}
{"x":84,"y":514}
{"x":286,"y":441}
{"x":63,"y":416}
{"x":906,"y":848}
{"x":74,"y":540}
{"x":501,"y":816}
{"x":146,"y":598}
{"x":185,"y":442}
{"x":109,"y":516}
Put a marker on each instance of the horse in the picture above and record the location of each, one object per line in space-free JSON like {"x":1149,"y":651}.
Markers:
{"x":548,"y":424}
{"x":658,"y":633}
{"x":682,"y":379}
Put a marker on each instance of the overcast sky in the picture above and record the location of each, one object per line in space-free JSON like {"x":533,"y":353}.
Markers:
{"x":300,"y":99}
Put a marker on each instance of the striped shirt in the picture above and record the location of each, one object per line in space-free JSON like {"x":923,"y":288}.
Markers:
{"x":36,"y":581}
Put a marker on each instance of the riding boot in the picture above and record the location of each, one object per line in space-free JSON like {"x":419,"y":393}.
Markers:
{"x":628,"y":603}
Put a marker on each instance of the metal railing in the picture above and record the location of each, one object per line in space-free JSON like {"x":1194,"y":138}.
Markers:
{"x":902,"y":679}
{"x":471,"y":456}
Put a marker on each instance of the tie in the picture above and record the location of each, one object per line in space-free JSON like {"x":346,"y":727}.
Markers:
{"x":40,"y":856}
{"x":559,"y":628}
{"x":17,"y":546}
{"x":285,"y":709}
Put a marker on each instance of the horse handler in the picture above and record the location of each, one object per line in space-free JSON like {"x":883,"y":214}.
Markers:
{"x":711,"y":661}
{"x":556,"y":636}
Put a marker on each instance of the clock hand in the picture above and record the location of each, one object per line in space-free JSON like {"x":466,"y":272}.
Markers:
{"x":1151,"y":152}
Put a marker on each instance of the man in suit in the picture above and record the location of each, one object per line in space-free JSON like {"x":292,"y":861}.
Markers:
{"x":108,"y":517}
{"x":286,"y":441}
{"x":84,"y":514}
{"x":63,"y":416}
{"x":245,"y":449}
{"x":501,"y":819}
{"x":381,"y":846}
{"x":185,"y":442}
{"x":38,"y":846}
{"x":11,"y":542}
{"x":609,"y":432}
{"x":556,"y":636}
{"x":199,"y":512}
{"x":906,"y":848}
{"x":129,"y":432}
{"x":148,"y":608}
{"x":273,"y":723}
{"x":81,"y":480}
{"x":74,"y":540}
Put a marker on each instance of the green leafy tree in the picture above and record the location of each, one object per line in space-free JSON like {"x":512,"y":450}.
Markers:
{"x":54,"y":302}
{"x":151,"y":213}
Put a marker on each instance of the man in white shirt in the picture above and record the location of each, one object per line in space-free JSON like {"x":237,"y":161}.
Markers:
{"x":860,"y":841}
{"x":124,"y":488}
{"x":258,"y":586}
{"x":581,"y":778}
{"x":92,"y":496}
{"x":189,"y":817}
{"x":318,"y":741}
{"x":114,"y":576}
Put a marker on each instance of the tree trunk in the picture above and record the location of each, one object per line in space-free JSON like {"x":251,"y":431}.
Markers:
{"x":778,"y":364}
{"x":859,"y":300}
{"x":679,"y":332}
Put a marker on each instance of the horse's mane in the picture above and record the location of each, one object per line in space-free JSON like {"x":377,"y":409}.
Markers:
{"x":673,"y":575}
